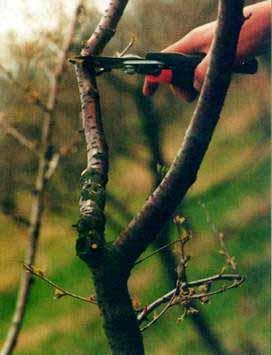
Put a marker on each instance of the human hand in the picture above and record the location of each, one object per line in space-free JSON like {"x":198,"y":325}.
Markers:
{"x":254,"y":39}
{"x":197,"y":41}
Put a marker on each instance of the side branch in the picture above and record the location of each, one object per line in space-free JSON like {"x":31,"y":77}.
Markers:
{"x":12,"y":131}
{"x":181,"y":298}
{"x":59,"y":291}
{"x":94,"y":178}
{"x":143,"y":229}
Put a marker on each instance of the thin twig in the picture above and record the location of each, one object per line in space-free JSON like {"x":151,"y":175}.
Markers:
{"x":127,"y":48}
{"x":184,"y":299}
{"x":157,"y":251}
{"x":184,"y":237}
{"x":12,"y":131}
{"x":63,"y":292}
{"x":208,"y":280}
{"x":52,"y":166}
{"x":16,"y":217}
{"x":230,"y":260}
{"x":222,"y":289}
{"x":157,"y":317}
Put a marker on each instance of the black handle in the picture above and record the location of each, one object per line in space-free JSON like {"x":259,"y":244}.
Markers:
{"x":183,"y":67}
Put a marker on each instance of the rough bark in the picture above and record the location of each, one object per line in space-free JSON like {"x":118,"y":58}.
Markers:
{"x":110,"y":274}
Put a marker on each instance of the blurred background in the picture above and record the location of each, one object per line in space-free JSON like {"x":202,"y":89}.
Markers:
{"x":231,"y":195}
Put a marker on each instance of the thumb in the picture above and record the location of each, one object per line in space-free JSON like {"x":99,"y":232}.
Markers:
{"x":200,"y":73}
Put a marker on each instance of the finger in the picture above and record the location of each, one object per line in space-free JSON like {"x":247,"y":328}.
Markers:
{"x":184,"y":45}
{"x":182,"y":94}
{"x":196,"y":41}
{"x":200,"y":73}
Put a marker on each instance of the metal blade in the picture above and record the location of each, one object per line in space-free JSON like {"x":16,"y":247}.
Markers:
{"x":130,"y":64}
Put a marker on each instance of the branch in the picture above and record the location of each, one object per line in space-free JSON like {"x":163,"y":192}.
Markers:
{"x":15,"y":216}
{"x":23,"y":140}
{"x":159,"y":250}
{"x":61,"y":292}
{"x":52,"y":166}
{"x":160,"y":206}
{"x":30,"y":93}
{"x":164,"y":310}
{"x":105,"y":29}
{"x":94,"y":178}
{"x":127,"y":48}
{"x":109,"y":274}
{"x":40,"y":187}
{"x":230,"y":260}
{"x":236,"y":278}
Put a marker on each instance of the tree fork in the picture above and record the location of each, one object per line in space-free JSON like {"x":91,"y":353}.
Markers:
{"x":111,"y":264}
{"x":110,"y":276}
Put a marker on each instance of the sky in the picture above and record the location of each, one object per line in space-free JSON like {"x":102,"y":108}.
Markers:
{"x":15,"y":14}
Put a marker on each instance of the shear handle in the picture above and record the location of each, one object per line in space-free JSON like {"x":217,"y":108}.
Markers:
{"x":183,"y":67}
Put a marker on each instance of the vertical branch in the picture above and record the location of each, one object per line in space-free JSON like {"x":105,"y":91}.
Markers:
{"x":109,"y":273}
{"x":40,"y":187}
{"x":94,"y":178}
{"x":182,"y":174}
{"x":106,"y":28}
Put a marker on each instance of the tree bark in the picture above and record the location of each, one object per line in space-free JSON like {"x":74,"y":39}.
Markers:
{"x":111,"y":264}
{"x":109,"y":272}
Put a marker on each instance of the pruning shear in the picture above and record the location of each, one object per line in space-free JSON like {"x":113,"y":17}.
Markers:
{"x":179,"y":68}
